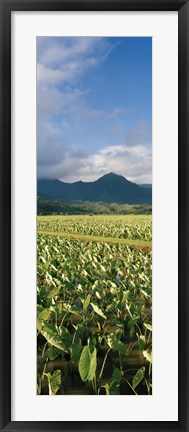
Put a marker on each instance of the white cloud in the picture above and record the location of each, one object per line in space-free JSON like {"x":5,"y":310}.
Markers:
{"x":131,"y":162}
{"x":50,"y":76}
{"x":60,"y":62}
{"x":64,"y":60}
{"x":53,"y":51}
{"x":51,"y":101}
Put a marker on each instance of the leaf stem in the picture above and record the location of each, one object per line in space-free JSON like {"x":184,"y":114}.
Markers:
{"x":43,"y":352}
{"x":103,"y":364}
{"x":95,"y":385}
{"x":130,"y":386}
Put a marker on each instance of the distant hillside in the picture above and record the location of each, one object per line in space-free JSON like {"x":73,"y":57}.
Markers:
{"x":146,"y":185}
{"x":111,"y":188}
{"x":48,"y":207}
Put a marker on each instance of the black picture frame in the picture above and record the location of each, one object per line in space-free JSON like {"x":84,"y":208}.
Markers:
{"x":6,"y":7}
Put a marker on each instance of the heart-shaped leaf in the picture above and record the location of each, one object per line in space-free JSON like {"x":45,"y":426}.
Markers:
{"x":52,"y":337}
{"x":54,"y":382}
{"x":87,"y":364}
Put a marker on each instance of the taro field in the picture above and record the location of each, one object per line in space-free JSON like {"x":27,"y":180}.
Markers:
{"x":94,"y":305}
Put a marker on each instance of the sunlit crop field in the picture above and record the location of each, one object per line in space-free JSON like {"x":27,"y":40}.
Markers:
{"x":94,"y":306}
{"x":130,"y":226}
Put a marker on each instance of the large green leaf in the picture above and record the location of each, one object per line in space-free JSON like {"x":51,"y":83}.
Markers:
{"x":50,"y":334}
{"x":87,"y":364}
{"x":98,"y":310}
{"x":119,"y":346}
{"x":65,"y":336}
{"x":138,"y":377}
{"x":141,"y":342}
{"x":75,"y":352}
{"x":54,"y":382}
{"x":116,"y":376}
{"x":86,"y":302}
{"x":43,"y":316}
{"x":116,"y":344}
{"x":53,"y":352}
{"x":114,"y":388}
{"x":54,"y":292}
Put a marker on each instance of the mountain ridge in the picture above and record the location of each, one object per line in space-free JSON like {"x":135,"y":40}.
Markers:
{"x":109,"y":188}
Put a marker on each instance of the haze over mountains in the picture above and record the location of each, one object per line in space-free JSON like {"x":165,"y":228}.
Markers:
{"x":111,"y":188}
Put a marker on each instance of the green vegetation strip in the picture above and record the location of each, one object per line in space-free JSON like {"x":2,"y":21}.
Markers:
{"x":139,"y":244}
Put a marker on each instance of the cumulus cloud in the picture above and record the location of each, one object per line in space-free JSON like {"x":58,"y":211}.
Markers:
{"x":134,"y":163}
{"x":131,"y":162}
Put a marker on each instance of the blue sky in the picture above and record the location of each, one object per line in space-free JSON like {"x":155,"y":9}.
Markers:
{"x":94,"y":108}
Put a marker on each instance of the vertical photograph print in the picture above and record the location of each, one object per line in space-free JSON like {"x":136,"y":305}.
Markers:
{"x":94,"y":216}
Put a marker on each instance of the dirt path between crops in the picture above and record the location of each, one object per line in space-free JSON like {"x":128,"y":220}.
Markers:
{"x":138,"y":244}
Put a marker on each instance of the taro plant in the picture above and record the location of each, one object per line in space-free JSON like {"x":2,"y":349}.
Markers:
{"x":94,"y":310}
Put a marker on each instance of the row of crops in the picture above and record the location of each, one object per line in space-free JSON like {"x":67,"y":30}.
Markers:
{"x":131,"y":226}
{"x":94,"y":326}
